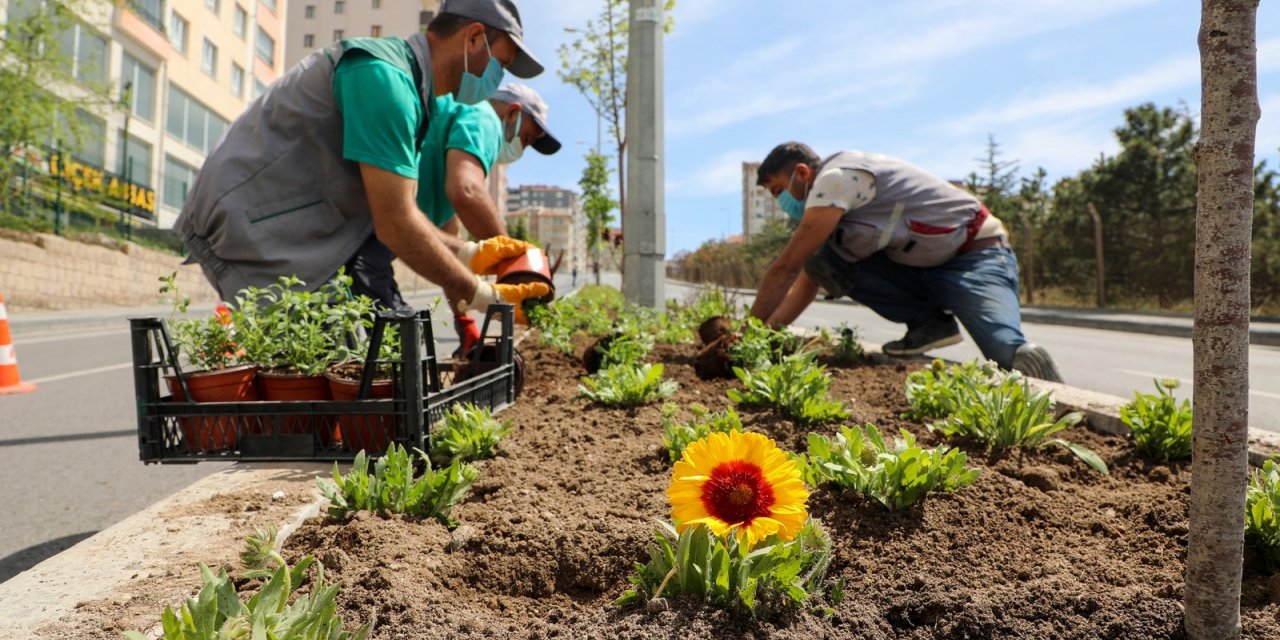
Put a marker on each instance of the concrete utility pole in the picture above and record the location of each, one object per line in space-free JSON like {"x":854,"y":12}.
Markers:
{"x":644,"y":229}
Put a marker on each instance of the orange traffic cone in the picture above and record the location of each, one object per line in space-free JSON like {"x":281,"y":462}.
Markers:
{"x":10,"y":381}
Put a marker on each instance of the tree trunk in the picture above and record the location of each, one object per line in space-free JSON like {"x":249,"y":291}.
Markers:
{"x":1224,"y":159}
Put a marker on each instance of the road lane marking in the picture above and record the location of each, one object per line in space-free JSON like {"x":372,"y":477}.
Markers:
{"x":66,"y":336}
{"x":84,"y":372}
{"x":1157,"y":376}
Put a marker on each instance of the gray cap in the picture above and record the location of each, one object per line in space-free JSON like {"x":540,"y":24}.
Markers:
{"x":503,"y":16}
{"x":533,"y":106}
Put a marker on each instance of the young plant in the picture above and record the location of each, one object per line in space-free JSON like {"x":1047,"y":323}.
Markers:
{"x":466,"y":434}
{"x":591,"y":310}
{"x":896,"y":476}
{"x":764,"y":581}
{"x":676,"y":436}
{"x":302,"y":331}
{"x":217,"y":613}
{"x":1009,"y":414}
{"x":760,"y":344}
{"x":1262,"y":513}
{"x":1161,"y":426}
{"x":848,"y":348}
{"x":207,"y":343}
{"x":627,"y":348}
{"x":627,"y":386}
{"x":393,"y":487}
{"x":796,"y":387}
{"x":940,"y":391}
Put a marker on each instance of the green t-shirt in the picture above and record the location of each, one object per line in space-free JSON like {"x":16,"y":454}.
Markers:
{"x":381,"y":113}
{"x":473,"y":128}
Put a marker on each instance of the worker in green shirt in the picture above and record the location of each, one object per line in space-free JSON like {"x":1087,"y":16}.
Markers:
{"x":324,"y":164}
{"x":463,"y":145}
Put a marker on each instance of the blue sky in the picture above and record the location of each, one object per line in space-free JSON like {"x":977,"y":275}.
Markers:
{"x":924,"y":80}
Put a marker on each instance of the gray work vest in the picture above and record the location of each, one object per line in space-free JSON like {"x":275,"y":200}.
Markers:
{"x":916,"y":218}
{"x":276,"y":197}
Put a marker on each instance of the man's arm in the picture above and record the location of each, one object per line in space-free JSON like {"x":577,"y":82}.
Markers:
{"x":798,"y":299}
{"x":465,"y":187}
{"x":818,"y":224}
{"x":407,"y":233}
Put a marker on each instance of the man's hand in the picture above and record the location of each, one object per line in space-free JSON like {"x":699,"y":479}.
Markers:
{"x":483,"y":257}
{"x":516,"y":294}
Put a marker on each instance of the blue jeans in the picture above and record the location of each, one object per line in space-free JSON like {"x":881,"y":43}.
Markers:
{"x":980,"y":287}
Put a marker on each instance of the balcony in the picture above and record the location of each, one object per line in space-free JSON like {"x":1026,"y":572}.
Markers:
{"x":149,"y":11}
{"x":141,"y":19}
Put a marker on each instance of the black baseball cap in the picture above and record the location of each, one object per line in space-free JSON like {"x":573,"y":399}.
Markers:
{"x":503,"y":16}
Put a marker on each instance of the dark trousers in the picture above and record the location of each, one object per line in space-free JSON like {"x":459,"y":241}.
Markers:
{"x":372,"y":274}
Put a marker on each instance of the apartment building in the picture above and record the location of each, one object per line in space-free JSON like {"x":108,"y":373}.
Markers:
{"x":553,"y":217}
{"x":314,"y":24}
{"x":758,"y":205}
{"x":181,"y":71}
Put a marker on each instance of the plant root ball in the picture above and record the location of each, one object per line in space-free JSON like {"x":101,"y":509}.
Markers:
{"x":714,"y":360}
{"x":713,"y":328}
{"x":593,"y":357}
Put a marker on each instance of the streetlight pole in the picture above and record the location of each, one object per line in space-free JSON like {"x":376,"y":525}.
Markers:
{"x":644,"y":225}
{"x":126,"y":101}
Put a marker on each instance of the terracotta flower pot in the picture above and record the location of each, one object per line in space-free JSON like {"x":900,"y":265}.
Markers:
{"x":372,"y":433}
{"x":293,"y":387}
{"x":215,"y":433}
{"x":530,"y":267}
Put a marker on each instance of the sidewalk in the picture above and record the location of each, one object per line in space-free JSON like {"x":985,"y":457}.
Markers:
{"x":1261,"y":331}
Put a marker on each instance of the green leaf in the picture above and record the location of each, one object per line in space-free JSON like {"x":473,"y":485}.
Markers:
{"x":1084,"y":453}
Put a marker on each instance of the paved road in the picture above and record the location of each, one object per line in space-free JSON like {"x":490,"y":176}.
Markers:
{"x":68,"y":451}
{"x":1111,"y":362}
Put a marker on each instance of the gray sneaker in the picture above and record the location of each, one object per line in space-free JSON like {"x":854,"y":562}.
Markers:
{"x":935,"y":333}
{"x":1035,"y":362}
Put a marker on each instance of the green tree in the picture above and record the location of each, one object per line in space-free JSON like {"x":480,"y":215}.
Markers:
{"x":596,"y":65}
{"x":597,"y":203}
{"x":1265,"y":271}
{"x":45,"y":92}
{"x":520,"y":229}
{"x":996,"y":183}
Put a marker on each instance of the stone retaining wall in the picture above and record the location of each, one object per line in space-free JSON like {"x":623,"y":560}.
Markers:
{"x":44,"y":271}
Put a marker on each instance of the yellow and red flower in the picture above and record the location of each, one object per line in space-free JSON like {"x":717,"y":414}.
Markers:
{"x":740,"y":482}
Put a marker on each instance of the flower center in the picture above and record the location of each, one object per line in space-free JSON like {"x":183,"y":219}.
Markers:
{"x":737,"y":493}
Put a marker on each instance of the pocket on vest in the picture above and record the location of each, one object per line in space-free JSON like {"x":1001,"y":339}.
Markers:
{"x":928,"y":245}
{"x":296,"y":219}
{"x":858,"y":239}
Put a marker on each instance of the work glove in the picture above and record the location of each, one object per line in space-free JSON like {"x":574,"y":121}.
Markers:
{"x":516,"y":294}
{"x":483,"y":257}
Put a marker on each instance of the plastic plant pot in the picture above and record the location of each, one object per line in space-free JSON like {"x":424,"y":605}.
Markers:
{"x":293,"y":387}
{"x":215,"y":433}
{"x":530,"y":267}
{"x":370,"y":433}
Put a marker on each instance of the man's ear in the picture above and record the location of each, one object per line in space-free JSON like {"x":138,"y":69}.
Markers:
{"x":804,"y":172}
{"x":511,"y":110}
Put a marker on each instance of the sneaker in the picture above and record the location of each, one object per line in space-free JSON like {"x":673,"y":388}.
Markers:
{"x":1036,"y":362}
{"x":935,"y":333}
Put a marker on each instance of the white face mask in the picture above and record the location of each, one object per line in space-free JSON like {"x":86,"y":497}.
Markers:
{"x":513,"y":148}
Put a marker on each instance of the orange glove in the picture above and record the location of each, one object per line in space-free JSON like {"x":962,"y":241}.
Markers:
{"x":483,"y":257}
{"x":516,"y":294}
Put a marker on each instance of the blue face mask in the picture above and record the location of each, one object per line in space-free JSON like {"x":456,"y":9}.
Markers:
{"x":476,"y":88}
{"x":793,"y":207}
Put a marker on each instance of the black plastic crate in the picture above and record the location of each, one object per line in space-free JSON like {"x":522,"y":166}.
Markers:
{"x":171,"y":430}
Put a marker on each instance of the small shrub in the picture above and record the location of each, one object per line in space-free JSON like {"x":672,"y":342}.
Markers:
{"x":760,"y":344}
{"x":765,"y":581}
{"x":393,"y":487}
{"x":627,"y":349}
{"x":848,"y":348}
{"x":1262,"y":513}
{"x":939,"y":391}
{"x":627,"y":386}
{"x":590,"y":310}
{"x":467,"y":433}
{"x":1161,"y":426}
{"x":796,"y":387}
{"x":677,"y":435}
{"x":897,"y":477}
{"x":217,"y":612}
{"x":1010,"y":414}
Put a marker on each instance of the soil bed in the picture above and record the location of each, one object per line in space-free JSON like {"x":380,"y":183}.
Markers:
{"x":1039,"y":547}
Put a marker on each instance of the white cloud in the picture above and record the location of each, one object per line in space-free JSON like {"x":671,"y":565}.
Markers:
{"x":721,"y":176}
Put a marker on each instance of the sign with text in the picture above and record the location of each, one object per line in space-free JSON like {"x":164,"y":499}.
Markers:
{"x":83,"y":177}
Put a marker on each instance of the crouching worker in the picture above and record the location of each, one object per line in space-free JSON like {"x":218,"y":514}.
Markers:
{"x":911,"y":246}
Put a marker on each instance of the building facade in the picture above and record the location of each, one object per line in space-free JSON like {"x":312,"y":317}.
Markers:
{"x":314,"y":24}
{"x":180,"y":72}
{"x":758,"y":205}
{"x":553,"y":217}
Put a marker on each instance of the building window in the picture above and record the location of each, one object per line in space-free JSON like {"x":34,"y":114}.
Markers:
{"x":86,"y":52}
{"x":178,"y":32}
{"x":209,"y":58}
{"x":149,"y":10}
{"x":241,"y":22}
{"x":212,"y":5}
{"x":237,"y":80}
{"x":136,"y":158}
{"x":309,"y":12}
{"x":376,"y":31}
{"x":377,"y":4}
{"x":90,"y":147}
{"x":141,"y":82}
{"x":337,"y":35}
{"x":271,"y":4}
{"x":258,"y":88}
{"x":178,"y":179}
{"x":266,"y":48}
{"x":339,"y":7}
{"x":192,"y":122}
